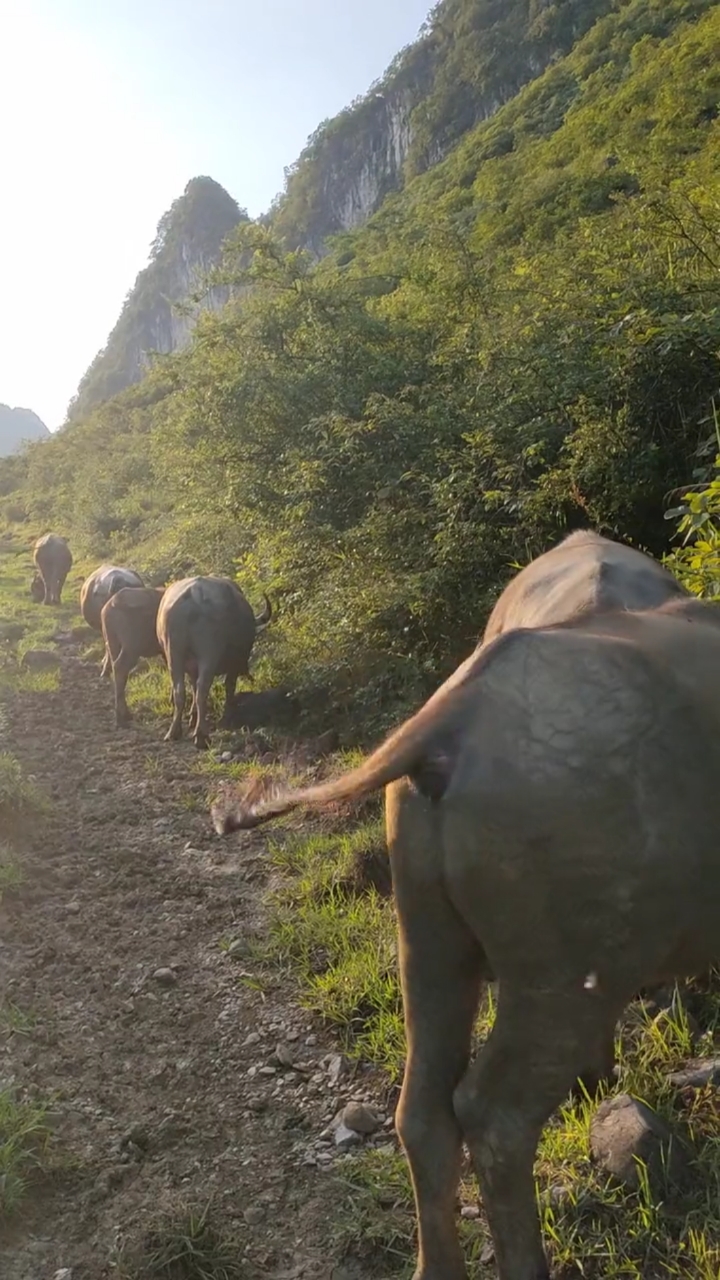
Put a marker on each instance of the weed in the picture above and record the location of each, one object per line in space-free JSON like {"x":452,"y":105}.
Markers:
{"x":24,"y":1138}
{"x":183,"y":1247}
{"x":20,"y":797}
{"x":15,"y":1021}
{"x":11,"y":873}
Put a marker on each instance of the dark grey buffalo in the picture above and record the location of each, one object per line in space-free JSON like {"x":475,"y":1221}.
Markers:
{"x":53,"y":561}
{"x":206,"y":628}
{"x":129,"y":627}
{"x":551,"y":816}
{"x":95,"y":592}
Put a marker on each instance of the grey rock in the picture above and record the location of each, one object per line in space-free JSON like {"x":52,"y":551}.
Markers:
{"x":253,"y":1038}
{"x":254,"y":1214}
{"x":470,"y":1211}
{"x":697,"y":1074}
{"x":337,"y":1068}
{"x":346,"y":1138}
{"x":624,"y":1131}
{"x":165,"y":977}
{"x":65,"y":1273}
{"x":284,"y":1055}
{"x":360,"y":1118}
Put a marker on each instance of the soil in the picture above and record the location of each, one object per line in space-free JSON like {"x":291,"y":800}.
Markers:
{"x":156,"y":1043}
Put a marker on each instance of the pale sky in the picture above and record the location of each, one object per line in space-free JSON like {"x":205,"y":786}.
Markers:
{"x":109,"y":107}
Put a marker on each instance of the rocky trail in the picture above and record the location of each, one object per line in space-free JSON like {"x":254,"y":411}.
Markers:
{"x":179,"y":1075}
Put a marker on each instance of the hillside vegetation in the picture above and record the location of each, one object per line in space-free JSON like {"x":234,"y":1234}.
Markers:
{"x":523,"y":340}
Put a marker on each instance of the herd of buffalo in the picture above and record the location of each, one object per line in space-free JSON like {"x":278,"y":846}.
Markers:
{"x":552,"y":817}
{"x":202,"y":627}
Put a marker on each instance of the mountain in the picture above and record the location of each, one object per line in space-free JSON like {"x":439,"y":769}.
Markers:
{"x":186,"y":247}
{"x":472,"y":56}
{"x":17,"y":426}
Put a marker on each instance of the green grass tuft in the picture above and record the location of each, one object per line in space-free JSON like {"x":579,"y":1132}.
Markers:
{"x":24,"y":1138}
{"x":20,"y":798}
{"x":183,"y":1247}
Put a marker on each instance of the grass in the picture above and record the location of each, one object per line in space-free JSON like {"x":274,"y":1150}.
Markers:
{"x":184,"y":1246}
{"x":337,"y":932}
{"x":24,"y":1138}
{"x":14,"y":1021}
{"x":20,"y":797}
{"x":11,"y":873}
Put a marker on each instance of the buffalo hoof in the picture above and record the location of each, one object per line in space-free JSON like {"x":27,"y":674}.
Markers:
{"x":201,"y":740}
{"x":173,"y":734}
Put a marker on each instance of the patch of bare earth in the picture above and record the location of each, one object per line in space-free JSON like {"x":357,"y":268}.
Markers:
{"x":156,"y":1045}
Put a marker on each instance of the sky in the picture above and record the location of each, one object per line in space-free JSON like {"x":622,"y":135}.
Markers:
{"x":109,"y":107}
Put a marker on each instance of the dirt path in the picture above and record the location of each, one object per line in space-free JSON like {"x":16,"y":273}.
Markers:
{"x":156,"y":1043}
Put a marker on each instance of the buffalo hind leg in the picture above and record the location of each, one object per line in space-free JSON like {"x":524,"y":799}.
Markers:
{"x":122,"y":666}
{"x":177,"y":679}
{"x":541,"y":1042}
{"x":440,"y":970}
{"x":231,"y":680}
{"x":201,"y":729}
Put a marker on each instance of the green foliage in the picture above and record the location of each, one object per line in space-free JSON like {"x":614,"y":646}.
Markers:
{"x":20,"y":798}
{"x":697,"y":561}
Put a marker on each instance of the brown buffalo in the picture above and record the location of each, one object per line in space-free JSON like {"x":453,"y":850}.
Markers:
{"x":550,"y":815}
{"x":206,"y":628}
{"x":53,"y":561}
{"x":37,"y":588}
{"x":128,"y":621}
{"x":95,"y":592}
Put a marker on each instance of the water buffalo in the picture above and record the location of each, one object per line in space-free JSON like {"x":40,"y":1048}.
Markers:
{"x":97,"y":589}
{"x":567,"y":847}
{"x":53,"y":561}
{"x":128,"y":621}
{"x":206,"y":628}
{"x":37,"y":588}
{"x":549,"y":814}
{"x":583,"y":573}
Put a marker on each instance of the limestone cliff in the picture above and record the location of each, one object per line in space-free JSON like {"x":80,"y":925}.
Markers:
{"x":156,"y":315}
{"x":472,"y":56}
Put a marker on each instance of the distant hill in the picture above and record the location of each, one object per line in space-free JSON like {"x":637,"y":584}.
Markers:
{"x":18,"y":426}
